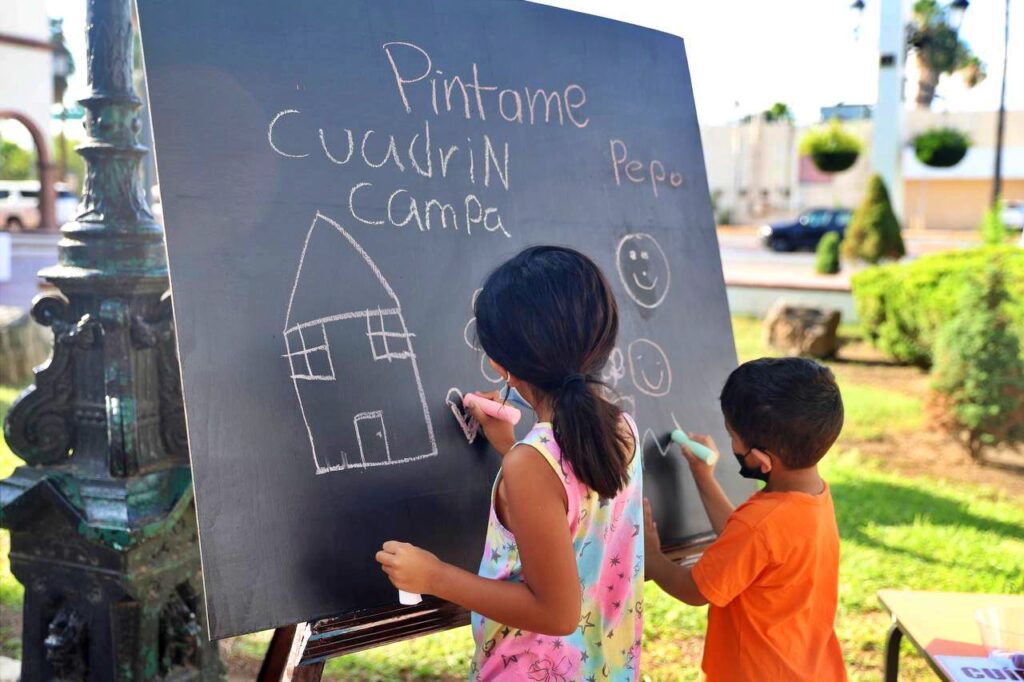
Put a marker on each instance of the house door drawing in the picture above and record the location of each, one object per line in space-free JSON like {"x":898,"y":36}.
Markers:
{"x":347,"y":343}
{"x":373,"y":438}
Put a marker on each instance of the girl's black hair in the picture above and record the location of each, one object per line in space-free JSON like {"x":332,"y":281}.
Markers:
{"x":548,"y":316}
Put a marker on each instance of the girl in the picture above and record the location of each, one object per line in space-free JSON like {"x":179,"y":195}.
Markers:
{"x":560,"y":586}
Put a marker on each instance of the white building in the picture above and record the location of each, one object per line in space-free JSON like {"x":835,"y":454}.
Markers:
{"x":26,"y":80}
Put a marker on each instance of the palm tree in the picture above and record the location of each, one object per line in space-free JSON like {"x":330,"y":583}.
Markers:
{"x":939,"y":50}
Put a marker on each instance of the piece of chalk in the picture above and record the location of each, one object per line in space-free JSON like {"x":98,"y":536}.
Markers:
{"x":492,"y":408}
{"x":409,"y":598}
{"x":700,"y":451}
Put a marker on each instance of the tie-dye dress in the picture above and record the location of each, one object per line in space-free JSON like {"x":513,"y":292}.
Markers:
{"x":607,"y":537}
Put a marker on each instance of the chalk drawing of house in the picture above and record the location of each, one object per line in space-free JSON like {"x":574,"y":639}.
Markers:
{"x":351,"y":358}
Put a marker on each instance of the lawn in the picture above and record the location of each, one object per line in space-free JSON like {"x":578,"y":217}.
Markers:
{"x":914,"y":532}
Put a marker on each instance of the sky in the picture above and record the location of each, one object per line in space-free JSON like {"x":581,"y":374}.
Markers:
{"x":746,"y":54}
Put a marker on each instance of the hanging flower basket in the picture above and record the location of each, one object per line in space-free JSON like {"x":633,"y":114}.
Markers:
{"x":941,"y":147}
{"x":832,"y":149}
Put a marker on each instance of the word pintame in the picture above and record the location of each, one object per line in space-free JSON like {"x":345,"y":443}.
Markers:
{"x":413,"y":69}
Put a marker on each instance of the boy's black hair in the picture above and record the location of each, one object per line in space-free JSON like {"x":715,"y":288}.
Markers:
{"x":549,"y":317}
{"x":790,"y":407}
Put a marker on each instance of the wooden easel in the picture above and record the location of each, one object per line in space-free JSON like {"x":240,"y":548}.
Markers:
{"x":298,"y":653}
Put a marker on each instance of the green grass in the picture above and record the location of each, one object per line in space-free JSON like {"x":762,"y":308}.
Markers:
{"x":11,"y":591}
{"x":871,"y":410}
{"x":897,"y":532}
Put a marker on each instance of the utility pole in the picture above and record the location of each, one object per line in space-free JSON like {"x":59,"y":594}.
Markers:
{"x":886,"y":144}
{"x":997,"y":173}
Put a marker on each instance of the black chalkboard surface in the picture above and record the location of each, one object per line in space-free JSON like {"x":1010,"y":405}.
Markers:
{"x":337,"y":180}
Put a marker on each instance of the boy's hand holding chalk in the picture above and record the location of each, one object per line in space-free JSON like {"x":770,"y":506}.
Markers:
{"x":705,"y":452}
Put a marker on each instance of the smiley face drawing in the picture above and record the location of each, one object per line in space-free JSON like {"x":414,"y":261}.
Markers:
{"x":643,"y":269}
{"x":649,"y":368}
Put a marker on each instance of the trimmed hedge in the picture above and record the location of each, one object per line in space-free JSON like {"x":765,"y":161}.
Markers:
{"x":826,"y":258}
{"x":903,"y":306}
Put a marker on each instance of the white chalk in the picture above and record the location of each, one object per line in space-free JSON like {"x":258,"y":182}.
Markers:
{"x":409,"y":598}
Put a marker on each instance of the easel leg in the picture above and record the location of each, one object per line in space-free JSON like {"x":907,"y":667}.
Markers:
{"x":892,"y":653}
{"x":280,"y":664}
{"x":309,"y":673}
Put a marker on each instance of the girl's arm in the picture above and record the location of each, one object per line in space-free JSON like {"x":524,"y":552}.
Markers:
{"x":548,"y":600}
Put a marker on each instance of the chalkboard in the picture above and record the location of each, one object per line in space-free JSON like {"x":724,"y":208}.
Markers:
{"x":337,"y":180}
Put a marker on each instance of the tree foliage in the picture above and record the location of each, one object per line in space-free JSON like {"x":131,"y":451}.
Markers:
{"x":16,"y":163}
{"x":939,"y":50}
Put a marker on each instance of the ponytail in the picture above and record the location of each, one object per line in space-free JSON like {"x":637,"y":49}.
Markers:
{"x":590,"y":433}
{"x":548,"y":316}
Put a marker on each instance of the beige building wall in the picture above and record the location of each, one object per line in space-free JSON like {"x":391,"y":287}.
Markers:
{"x":952,"y":204}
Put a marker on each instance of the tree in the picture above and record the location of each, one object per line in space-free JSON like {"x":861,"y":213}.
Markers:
{"x":978,"y":377}
{"x":874,"y":233}
{"x":777,"y":112}
{"x":16,"y":163}
{"x":939,"y":50}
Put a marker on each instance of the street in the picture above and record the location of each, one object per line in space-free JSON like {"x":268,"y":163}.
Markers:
{"x":745,"y":261}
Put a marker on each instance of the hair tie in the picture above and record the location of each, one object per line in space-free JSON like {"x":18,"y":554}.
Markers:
{"x":573,"y":379}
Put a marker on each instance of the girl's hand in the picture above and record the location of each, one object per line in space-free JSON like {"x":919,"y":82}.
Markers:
{"x":500,"y":434}
{"x":408,"y":567}
{"x":652,"y":543}
{"x":699,"y":466}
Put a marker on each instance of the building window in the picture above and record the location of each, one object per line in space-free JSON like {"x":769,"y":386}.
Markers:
{"x":309,"y":354}
{"x":389,"y":339}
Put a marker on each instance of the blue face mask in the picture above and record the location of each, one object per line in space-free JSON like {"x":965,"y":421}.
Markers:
{"x":512,"y":395}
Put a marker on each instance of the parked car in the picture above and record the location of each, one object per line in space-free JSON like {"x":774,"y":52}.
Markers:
{"x":19,"y":204}
{"x":806,"y":231}
{"x":1013,"y":215}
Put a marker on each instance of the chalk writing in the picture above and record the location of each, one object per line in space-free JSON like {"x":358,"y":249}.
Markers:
{"x":411,"y":65}
{"x":637,"y":172}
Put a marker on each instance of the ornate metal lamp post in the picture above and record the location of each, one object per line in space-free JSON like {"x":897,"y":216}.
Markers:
{"x":102,"y":523}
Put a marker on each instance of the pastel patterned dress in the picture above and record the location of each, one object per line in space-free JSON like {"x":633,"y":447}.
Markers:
{"x":607,"y":537}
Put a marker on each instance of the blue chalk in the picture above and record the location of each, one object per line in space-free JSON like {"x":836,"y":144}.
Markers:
{"x":701,"y":452}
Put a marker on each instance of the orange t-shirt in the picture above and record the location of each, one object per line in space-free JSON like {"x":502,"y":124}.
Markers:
{"x":772,"y":579}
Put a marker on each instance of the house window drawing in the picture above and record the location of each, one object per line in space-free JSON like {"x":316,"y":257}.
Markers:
{"x":351,"y":358}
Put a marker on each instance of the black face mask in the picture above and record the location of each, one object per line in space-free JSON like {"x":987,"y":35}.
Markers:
{"x":750,"y":472}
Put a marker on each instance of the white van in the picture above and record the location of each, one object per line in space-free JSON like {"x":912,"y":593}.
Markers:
{"x":19,"y":204}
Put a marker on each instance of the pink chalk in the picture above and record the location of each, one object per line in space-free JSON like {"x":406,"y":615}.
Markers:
{"x":494,"y":409}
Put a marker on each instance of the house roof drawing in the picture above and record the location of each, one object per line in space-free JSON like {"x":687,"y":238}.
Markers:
{"x":331,"y":254}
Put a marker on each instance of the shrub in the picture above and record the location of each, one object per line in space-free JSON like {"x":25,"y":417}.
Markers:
{"x":902,"y":306}
{"x":832,"y":149}
{"x":941,"y":147}
{"x":978,"y":378}
{"x":874,"y":233}
{"x":826,"y":258}
{"x":993,"y":227}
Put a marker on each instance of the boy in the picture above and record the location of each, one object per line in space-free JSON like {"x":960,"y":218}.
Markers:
{"x":772,"y":575}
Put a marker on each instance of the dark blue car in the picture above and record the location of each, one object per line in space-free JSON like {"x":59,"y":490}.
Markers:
{"x":806,"y":231}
